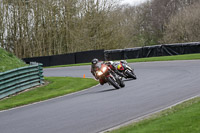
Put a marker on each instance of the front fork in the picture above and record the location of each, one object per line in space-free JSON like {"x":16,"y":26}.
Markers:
{"x":113,"y":76}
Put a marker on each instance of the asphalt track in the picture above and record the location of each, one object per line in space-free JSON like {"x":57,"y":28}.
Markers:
{"x":159,"y":85}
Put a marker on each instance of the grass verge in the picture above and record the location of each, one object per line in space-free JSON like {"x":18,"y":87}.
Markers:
{"x":9,"y":61}
{"x":182,"y":118}
{"x":57,"y":86}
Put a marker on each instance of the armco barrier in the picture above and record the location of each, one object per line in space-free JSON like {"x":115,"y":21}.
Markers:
{"x":19,"y":79}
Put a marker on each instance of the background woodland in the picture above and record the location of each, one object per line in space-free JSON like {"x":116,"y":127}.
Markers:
{"x":30,"y":28}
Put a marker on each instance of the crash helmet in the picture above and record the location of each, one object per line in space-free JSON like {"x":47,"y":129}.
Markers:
{"x":123,"y":61}
{"x":110,"y":62}
{"x":120,"y":67}
{"x":94,"y":61}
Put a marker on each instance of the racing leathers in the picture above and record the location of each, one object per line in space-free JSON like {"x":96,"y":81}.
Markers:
{"x":113,"y":66}
{"x":94,"y":69}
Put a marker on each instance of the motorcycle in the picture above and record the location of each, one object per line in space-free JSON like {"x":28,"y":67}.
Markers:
{"x":125,"y":70}
{"x":105,"y":73}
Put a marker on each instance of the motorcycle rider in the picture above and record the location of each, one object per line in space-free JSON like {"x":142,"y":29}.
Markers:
{"x":115,"y":66}
{"x":94,"y":67}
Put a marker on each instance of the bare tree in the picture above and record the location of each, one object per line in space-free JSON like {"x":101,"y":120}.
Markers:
{"x":48,"y":27}
{"x":185,"y":26}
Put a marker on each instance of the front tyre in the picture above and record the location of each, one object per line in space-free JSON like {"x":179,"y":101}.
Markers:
{"x":113,"y":83}
{"x":131,"y":75}
{"x":122,"y":84}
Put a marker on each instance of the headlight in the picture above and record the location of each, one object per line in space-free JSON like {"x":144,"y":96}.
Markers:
{"x":104,"y":69}
{"x":99,"y":73}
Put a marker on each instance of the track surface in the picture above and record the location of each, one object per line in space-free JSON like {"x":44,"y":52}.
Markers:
{"x":159,"y":85}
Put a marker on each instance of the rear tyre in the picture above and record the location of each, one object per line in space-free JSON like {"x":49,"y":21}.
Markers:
{"x":113,"y":83}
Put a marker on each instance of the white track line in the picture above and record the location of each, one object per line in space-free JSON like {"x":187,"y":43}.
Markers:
{"x":146,"y":116}
{"x":49,"y":99}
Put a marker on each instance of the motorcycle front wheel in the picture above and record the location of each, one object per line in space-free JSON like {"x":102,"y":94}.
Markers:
{"x":113,"y":83}
{"x":120,"y":82}
{"x":131,"y":75}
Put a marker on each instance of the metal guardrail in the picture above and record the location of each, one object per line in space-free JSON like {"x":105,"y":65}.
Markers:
{"x":19,"y":79}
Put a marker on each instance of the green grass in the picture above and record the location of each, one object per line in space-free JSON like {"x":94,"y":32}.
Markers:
{"x":8,"y":61}
{"x":183,"y":118}
{"x":57,"y":86}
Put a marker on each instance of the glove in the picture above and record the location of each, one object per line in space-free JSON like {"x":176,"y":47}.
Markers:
{"x":97,"y":77}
